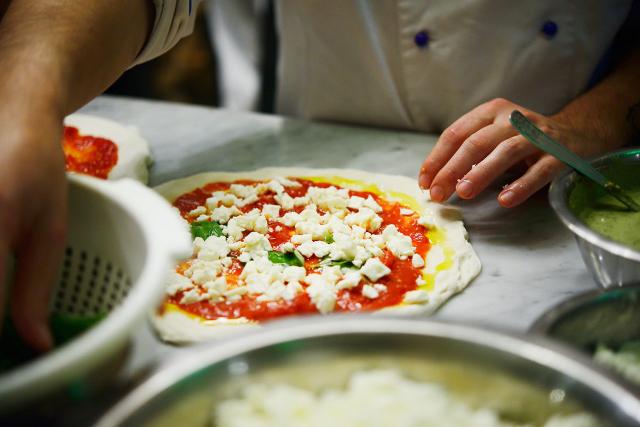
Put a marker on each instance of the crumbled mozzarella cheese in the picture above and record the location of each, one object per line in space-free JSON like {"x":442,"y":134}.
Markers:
{"x":301,"y":238}
{"x":330,"y":198}
{"x":399,"y":244}
{"x":362,"y":255}
{"x":242,"y":191}
{"x":343,"y":247}
{"x":202,"y":272}
{"x":370,"y":203}
{"x":290,"y":219}
{"x":249,"y":200}
{"x":215,"y":247}
{"x":285,"y":201}
{"x":202,"y":218}
{"x":355,"y":202}
{"x":374,"y":269}
{"x":321,"y":292}
{"x":198,"y":211}
{"x":417,"y":261}
{"x":427,"y":220}
{"x":349,"y":280}
{"x":223,"y":214}
{"x":317,"y":231}
{"x":177,"y":282}
{"x":301,"y":201}
{"x":406,"y":212}
{"x":287,"y":182}
{"x":271,"y":211}
{"x":256,"y":245}
{"x":216,"y":286}
{"x":292,"y":290}
{"x":317,"y":248}
{"x":370,"y":292}
{"x":369,"y":398}
{"x":275,"y":186}
{"x":212,"y":202}
{"x":192,"y":296}
{"x":294,"y":273}
{"x":287,"y":247}
{"x":365,"y":218}
{"x":380,"y":287}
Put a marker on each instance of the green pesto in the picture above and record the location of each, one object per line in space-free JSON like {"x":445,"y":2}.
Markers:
{"x":605,"y":214}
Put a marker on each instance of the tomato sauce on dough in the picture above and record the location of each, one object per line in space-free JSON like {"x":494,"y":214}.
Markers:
{"x":87,"y":154}
{"x":402,"y":278}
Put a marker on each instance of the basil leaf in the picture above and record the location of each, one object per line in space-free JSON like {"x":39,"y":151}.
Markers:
{"x":205,"y":229}
{"x":288,"y":258}
{"x":329,"y":238}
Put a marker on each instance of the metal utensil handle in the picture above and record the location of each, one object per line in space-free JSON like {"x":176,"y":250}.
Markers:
{"x":548,"y":145}
{"x":562,"y":153}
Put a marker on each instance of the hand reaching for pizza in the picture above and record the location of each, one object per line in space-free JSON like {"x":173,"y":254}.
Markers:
{"x":481,"y":145}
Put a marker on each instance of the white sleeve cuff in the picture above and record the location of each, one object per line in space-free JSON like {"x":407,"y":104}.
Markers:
{"x":174,"y":20}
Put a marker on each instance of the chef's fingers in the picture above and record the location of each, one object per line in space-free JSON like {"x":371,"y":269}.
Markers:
{"x":472,"y":151}
{"x":507,"y":154}
{"x":38,"y":261}
{"x":450,"y":140}
{"x":536,"y":177}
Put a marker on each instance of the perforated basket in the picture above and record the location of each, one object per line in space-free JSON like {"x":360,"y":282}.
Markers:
{"x":123,"y":239}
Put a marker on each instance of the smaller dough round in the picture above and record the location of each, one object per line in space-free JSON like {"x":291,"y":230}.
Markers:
{"x":134,"y":157}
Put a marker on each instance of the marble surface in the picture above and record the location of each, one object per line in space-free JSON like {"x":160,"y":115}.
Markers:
{"x":530,"y":261}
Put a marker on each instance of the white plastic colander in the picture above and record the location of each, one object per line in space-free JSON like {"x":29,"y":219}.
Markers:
{"x":123,"y":239}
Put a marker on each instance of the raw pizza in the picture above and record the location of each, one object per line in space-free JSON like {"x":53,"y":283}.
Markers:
{"x":104,"y":149}
{"x":289,"y":241}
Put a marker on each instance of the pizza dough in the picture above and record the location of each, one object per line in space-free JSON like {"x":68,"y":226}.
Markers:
{"x":451,"y":262}
{"x":133,"y":151}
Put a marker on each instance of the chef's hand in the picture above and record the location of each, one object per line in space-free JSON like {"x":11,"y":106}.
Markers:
{"x":33,"y":204}
{"x":55,"y":55}
{"x":481,"y":145}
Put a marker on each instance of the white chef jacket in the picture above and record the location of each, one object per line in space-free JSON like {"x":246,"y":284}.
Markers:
{"x":420,"y":65}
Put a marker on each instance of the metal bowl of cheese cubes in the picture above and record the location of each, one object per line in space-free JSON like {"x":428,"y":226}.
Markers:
{"x":357,"y":371}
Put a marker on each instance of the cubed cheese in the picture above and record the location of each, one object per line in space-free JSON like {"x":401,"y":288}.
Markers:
{"x":374,"y":269}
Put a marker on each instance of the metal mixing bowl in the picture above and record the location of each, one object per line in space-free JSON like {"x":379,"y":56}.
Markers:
{"x":523,"y":380}
{"x":610,"y":317}
{"x":611,"y":263}
{"x":602,"y":317}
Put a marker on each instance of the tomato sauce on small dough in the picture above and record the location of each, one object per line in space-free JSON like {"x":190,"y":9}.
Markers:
{"x":402,"y":278}
{"x":87,"y":154}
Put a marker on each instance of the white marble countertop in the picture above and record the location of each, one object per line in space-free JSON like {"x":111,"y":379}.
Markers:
{"x":530,"y":261}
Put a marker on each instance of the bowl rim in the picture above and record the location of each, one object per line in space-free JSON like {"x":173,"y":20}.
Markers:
{"x":543,"y":324}
{"x":539,"y":350}
{"x":558,"y":201}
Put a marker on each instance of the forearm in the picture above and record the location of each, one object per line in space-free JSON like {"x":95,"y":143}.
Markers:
{"x":62,"y":53}
{"x":603,"y":111}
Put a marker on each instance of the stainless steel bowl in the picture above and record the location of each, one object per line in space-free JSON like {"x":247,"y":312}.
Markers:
{"x":611,"y":263}
{"x":524,"y":380}
{"x":609,"y":317}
